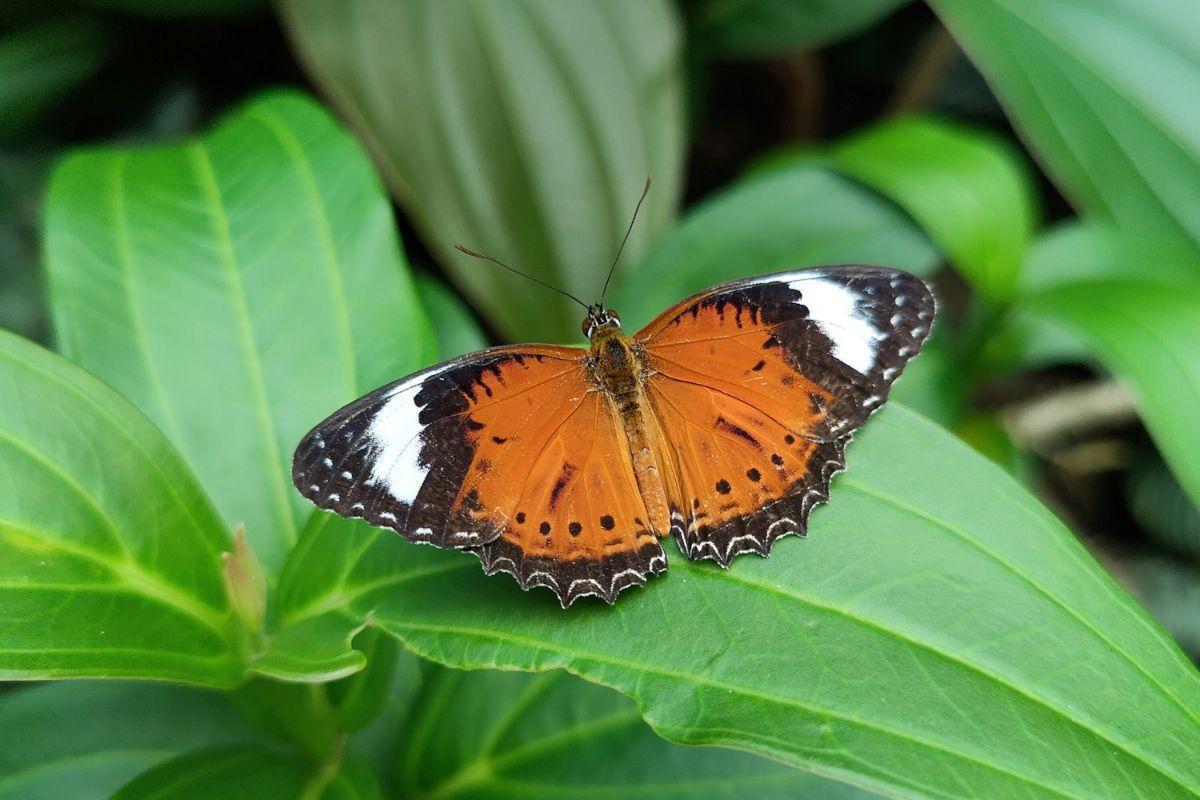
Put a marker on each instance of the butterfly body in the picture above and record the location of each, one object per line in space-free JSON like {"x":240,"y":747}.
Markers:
{"x":720,"y":422}
{"x":619,"y":371}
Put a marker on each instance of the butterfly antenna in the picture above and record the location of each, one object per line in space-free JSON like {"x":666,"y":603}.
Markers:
{"x":629,"y":230}
{"x":498,"y":262}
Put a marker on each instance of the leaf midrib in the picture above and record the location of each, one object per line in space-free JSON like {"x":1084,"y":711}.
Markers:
{"x":202,"y":165}
{"x":329,"y":257}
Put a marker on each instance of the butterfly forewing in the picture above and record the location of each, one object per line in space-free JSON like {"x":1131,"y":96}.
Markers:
{"x":420,"y":456}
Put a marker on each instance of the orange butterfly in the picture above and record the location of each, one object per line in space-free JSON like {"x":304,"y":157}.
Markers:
{"x":721,"y":422}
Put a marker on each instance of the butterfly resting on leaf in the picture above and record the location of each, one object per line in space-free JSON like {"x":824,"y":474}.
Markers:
{"x":720,"y":422}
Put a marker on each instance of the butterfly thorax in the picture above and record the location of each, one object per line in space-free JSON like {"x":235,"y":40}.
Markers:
{"x":618,"y":370}
{"x":615,"y":365}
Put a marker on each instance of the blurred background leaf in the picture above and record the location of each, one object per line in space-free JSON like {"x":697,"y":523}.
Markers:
{"x":1147,"y":334}
{"x":83,"y":740}
{"x":794,"y":216}
{"x":537,"y":125}
{"x":1162,"y":507}
{"x":967,"y":190}
{"x":251,"y":772}
{"x":238,"y":288}
{"x":177,"y":8}
{"x":41,"y":63}
{"x":454,"y":326}
{"x":741,"y":28}
{"x":1104,"y":91}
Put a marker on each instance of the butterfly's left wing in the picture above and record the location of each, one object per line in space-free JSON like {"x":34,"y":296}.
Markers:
{"x":758,"y":385}
{"x":508,"y":453}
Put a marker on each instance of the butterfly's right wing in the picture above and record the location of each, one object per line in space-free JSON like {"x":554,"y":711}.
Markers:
{"x":757,"y":386}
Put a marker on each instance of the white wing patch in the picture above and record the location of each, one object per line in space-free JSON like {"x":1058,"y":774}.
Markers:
{"x":834,"y":307}
{"x":395,"y":445}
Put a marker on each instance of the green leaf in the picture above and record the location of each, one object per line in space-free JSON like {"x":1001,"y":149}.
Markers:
{"x":178,"y":8}
{"x":41,"y":63}
{"x":83,"y":740}
{"x":358,"y":698}
{"x":965,"y":188}
{"x":1081,"y":251}
{"x":256,"y":772}
{"x":939,"y":634}
{"x":292,"y":712}
{"x":490,"y":734}
{"x":774,"y":27}
{"x":524,"y":130}
{"x":238,"y":288}
{"x":1088,"y":250}
{"x":454,"y":326}
{"x":1170,"y":590}
{"x":790,"y":217}
{"x":934,"y":384}
{"x":251,"y":772}
{"x":1158,"y":503}
{"x":312,"y":626}
{"x":109,"y":551}
{"x":1105,"y":92}
{"x":1149,"y":335}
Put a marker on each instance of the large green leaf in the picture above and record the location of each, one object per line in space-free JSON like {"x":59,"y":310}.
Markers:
{"x":109,"y":551}
{"x":252,"y":773}
{"x":1081,"y":251}
{"x":488,"y":735}
{"x":525,"y":130}
{"x":1149,"y":334}
{"x":454,"y":327}
{"x":237,"y":288}
{"x":1105,"y":91}
{"x":83,"y":740}
{"x":1088,"y":250}
{"x":967,"y":190}
{"x":40,"y":63}
{"x":773,"y":27}
{"x":939,"y":634}
{"x":792,"y":217}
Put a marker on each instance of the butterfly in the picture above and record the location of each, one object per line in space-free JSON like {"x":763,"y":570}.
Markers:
{"x":720,"y":422}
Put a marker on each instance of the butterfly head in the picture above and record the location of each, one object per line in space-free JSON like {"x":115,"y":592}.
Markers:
{"x":600,"y":320}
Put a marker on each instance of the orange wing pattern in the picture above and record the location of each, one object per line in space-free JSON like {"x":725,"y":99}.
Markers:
{"x":759,"y":384}
{"x":508,"y":453}
{"x":579,"y":526}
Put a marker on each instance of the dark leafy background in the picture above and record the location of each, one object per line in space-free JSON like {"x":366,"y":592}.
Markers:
{"x":221,"y":219}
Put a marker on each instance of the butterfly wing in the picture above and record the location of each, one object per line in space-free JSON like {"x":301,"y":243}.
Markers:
{"x":508,"y":453}
{"x":758,"y":385}
{"x":580,"y":525}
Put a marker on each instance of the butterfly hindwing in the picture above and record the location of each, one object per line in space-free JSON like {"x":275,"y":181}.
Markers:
{"x":759,"y":384}
{"x":580,"y":526}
